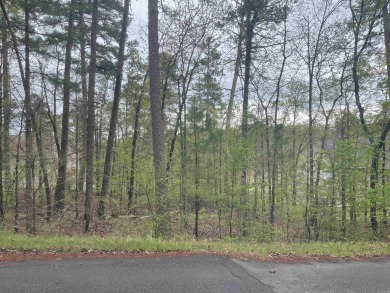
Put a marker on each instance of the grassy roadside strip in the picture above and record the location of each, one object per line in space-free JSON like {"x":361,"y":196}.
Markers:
{"x":75,"y":244}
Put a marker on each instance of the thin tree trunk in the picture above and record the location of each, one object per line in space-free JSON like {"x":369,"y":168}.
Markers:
{"x":183,"y":168}
{"x":30,"y":228}
{"x":27,"y":102}
{"x":77,"y":153}
{"x":295,"y":165}
{"x":98,"y":141}
{"x":231,"y":207}
{"x":26,"y":89}
{"x":91,"y":120}
{"x":219,"y":192}
{"x":307,"y":206}
{"x":237,"y":67}
{"x":359,"y":47}
{"x":177,"y":124}
{"x":256,"y":180}
{"x":343,"y":205}
{"x":84,"y":107}
{"x":197,"y":203}
{"x":333,"y":198}
{"x":134,"y":149}
{"x":1,"y":154}
{"x":63,"y":155}
{"x":229,"y":112}
{"x":16,"y":188}
{"x":353,"y":204}
{"x":42,"y":164}
{"x":6,"y":115}
{"x":384,"y":210}
{"x":249,"y":26}
{"x":386,"y":25}
{"x":277,"y":129}
{"x":115,"y":109}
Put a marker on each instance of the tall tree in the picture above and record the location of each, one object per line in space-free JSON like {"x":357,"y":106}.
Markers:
{"x":254,"y":12}
{"x":30,"y":225}
{"x":314,"y":27}
{"x":1,"y":147}
{"x":42,"y":164}
{"x":162,"y":219}
{"x":115,"y":108}
{"x":131,"y":190}
{"x":63,"y":155}
{"x":365,"y":15}
{"x":386,"y":28}
{"x":25,"y":77}
{"x":277,"y":127}
{"x":88,"y":212}
{"x":6,"y":96}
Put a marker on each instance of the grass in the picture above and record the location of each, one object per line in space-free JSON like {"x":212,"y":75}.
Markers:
{"x":65,"y":235}
{"x":70,"y":244}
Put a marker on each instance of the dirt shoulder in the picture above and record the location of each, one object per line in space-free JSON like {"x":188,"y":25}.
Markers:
{"x":23,"y":255}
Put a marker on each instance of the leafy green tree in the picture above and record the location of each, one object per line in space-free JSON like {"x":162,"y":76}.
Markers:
{"x":365,"y":15}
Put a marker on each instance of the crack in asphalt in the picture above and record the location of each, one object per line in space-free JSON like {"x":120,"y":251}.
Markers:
{"x":229,"y":264}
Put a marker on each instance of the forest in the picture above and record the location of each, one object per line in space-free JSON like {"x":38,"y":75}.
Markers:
{"x":265,"y":120}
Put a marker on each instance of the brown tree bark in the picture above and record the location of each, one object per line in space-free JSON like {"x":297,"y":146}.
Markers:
{"x":277,"y":130}
{"x":30,"y":227}
{"x":43,"y":167}
{"x":63,"y":155}
{"x":251,"y":18}
{"x":115,"y":109}
{"x":131,"y":191}
{"x":1,"y":152}
{"x":6,"y":114}
{"x":88,"y":212}
{"x":84,"y":111}
{"x":162,"y":219}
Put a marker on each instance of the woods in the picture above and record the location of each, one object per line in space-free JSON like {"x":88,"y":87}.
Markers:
{"x":247,"y":119}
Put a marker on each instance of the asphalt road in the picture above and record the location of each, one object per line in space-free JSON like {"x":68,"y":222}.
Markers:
{"x":190,"y":274}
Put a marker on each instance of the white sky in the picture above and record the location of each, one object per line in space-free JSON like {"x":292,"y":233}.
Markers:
{"x":139,"y":8}
{"x":138,"y":27}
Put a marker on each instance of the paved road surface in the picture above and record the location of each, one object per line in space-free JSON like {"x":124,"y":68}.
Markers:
{"x":190,"y":274}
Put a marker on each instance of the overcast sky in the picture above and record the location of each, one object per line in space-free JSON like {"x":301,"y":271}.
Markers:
{"x":137,"y":29}
{"x":139,"y":8}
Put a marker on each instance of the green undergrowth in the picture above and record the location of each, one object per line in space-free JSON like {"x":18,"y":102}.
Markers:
{"x":74,"y":244}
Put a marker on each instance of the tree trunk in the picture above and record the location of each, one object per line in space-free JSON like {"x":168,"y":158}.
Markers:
{"x":384,"y":210}
{"x":237,"y":66}
{"x":63,"y":155}
{"x":197,"y":181}
{"x":77,"y":153}
{"x":183,"y":169}
{"x":115,"y":109}
{"x":162,"y":219}
{"x":30,"y":228}
{"x":249,"y":26}
{"x":25,"y":87}
{"x":42,"y":164}
{"x":1,"y":153}
{"x":91,"y":120}
{"x":360,"y":44}
{"x":134,"y":148}
{"x":386,"y":26}
{"x":277,"y":129}
{"x":177,"y":124}
{"x":6,"y":115}
{"x":84,"y":107}
{"x":16,"y":188}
